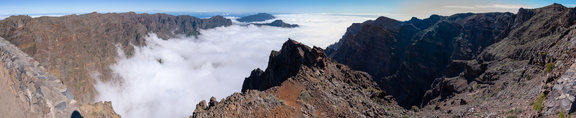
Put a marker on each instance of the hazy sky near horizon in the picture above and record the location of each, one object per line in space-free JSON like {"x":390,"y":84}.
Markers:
{"x":401,"y":9}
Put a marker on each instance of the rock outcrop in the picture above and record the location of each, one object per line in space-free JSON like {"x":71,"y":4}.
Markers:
{"x":302,"y":82}
{"x":78,"y":48}
{"x":98,"y":110}
{"x":278,"y":23}
{"x":28,"y":89}
{"x":256,"y":17}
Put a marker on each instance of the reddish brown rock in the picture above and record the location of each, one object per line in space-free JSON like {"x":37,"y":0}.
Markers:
{"x":79,"y":48}
{"x":302,"y":82}
{"x":98,"y":110}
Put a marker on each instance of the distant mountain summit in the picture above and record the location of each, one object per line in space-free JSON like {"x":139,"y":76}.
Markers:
{"x":278,"y":23}
{"x":263,"y":17}
{"x":256,"y":17}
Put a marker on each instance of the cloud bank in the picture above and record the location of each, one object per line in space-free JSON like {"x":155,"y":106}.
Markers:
{"x":167,"y":78}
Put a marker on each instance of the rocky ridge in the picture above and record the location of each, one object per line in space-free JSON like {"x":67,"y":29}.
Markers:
{"x":392,"y":51}
{"x":482,"y":65}
{"x":28,"y":90}
{"x":79,"y":48}
{"x":464,"y":65}
{"x":302,"y":82}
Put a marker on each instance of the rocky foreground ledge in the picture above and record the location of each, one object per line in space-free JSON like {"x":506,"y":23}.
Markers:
{"x":302,"y":82}
{"x":29,"y":90}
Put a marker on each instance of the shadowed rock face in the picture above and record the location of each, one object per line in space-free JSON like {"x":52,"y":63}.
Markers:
{"x":283,"y":65}
{"x":406,"y":57}
{"x":302,"y":82}
{"x":489,"y":61}
{"x":77,"y":48}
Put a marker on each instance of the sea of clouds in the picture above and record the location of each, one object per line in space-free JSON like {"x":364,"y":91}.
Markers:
{"x":167,"y":78}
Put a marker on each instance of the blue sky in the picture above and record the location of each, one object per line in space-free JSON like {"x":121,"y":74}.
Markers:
{"x":404,"y":8}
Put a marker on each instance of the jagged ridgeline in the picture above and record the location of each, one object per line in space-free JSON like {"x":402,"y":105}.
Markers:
{"x":73,"y":47}
{"x":406,"y":57}
{"x":463,"y":65}
{"x":301,"y":81}
{"x":496,"y":62}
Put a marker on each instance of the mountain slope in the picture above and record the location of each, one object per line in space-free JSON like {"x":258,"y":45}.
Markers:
{"x":78,"y":48}
{"x":302,"y":82}
{"x":488,"y":64}
{"x":393,"y":51}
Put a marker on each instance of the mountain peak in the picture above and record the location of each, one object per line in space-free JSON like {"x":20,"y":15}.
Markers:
{"x":554,"y":6}
{"x":302,"y":82}
{"x":284,"y":64}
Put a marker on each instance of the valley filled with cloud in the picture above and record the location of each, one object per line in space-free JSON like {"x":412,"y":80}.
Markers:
{"x":167,"y":78}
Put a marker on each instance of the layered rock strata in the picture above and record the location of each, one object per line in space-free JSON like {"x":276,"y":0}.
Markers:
{"x":28,"y":89}
{"x":80,"y":48}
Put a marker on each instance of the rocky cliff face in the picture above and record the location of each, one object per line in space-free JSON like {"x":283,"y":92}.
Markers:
{"x":28,"y":90}
{"x":77,"y":48}
{"x":464,"y":65}
{"x":489,"y":64}
{"x":394,"y":51}
{"x":302,"y":82}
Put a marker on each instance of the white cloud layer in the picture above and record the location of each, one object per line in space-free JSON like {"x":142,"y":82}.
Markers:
{"x":167,"y":78}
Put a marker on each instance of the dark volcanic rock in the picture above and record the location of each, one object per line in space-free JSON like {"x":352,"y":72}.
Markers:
{"x":76,"y":48}
{"x":278,"y":23}
{"x":488,"y":64}
{"x":284,"y":64}
{"x":256,"y":17}
{"x":302,"y":82}
{"x":393,"y":51}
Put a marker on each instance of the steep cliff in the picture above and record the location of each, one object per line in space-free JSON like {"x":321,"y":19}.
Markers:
{"x":393,"y":51}
{"x":28,"y":89}
{"x":78,"y":48}
{"x":302,"y":82}
{"x":486,"y":64}
{"x":464,"y":65}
